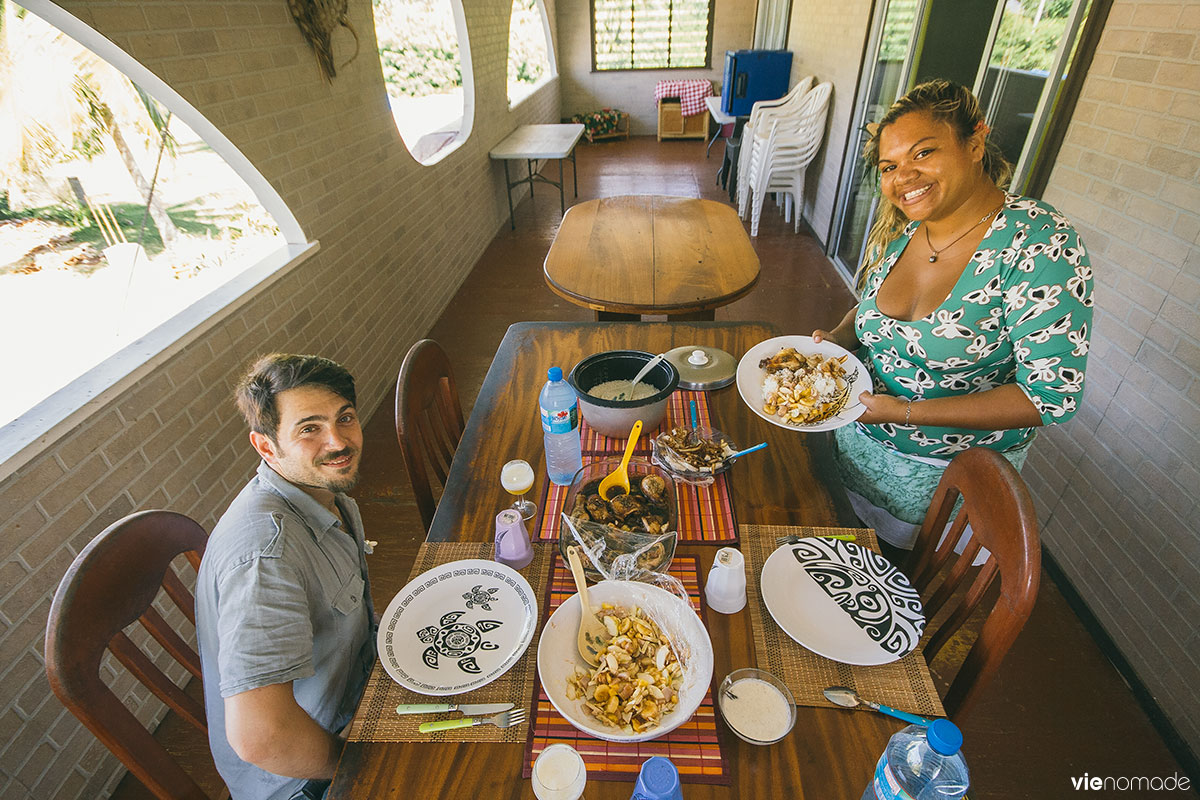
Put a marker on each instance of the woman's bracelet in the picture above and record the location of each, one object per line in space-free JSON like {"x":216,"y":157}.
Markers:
{"x":908,"y":409}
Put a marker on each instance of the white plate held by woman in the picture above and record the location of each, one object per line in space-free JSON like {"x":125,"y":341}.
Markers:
{"x":842,"y":601}
{"x":750,"y":380}
{"x":457,"y":627}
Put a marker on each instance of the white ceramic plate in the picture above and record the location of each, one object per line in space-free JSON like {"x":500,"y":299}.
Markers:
{"x":457,"y":627}
{"x":558,"y":655}
{"x":842,"y":601}
{"x":750,"y":378}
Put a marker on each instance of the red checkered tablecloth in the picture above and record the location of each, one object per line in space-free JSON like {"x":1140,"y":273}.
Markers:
{"x":691,"y":95}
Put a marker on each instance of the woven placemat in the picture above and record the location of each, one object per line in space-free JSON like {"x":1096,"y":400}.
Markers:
{"x":905,"y":684}
{"x":376,"y":719}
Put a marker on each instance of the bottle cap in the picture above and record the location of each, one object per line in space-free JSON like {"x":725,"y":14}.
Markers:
{"x":554,"y":374}
{"x":658,"y":780}
{"x":944,"y":737}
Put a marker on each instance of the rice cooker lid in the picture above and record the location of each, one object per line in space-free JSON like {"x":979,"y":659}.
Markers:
{"x":702,"y":368}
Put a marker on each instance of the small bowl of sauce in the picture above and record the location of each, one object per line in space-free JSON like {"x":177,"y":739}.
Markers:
{"x":756,"y":705}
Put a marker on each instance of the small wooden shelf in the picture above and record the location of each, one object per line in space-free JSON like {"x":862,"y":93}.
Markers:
{"x":622,"y":131}
{"x":673,"y":125}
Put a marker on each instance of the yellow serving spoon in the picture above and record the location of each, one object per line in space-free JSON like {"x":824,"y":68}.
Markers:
{"x":619,"y":477}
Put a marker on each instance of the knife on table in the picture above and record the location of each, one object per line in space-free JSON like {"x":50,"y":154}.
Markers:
{"x":468,"y":709}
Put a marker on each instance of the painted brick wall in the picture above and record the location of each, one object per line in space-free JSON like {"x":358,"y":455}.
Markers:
{"x":828,"y":40}
{"x":633,"y":91}
{"x":397,"y":239}
{"x":1117,"y":488}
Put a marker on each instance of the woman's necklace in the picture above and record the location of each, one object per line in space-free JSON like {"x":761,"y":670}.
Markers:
{"x":937,"y":251}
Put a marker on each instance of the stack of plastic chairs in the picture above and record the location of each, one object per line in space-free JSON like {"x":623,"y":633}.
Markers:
{"x":756,"y":130}
{"x":783,"y":160}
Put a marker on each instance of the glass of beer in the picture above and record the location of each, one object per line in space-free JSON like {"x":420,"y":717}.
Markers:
{"x":517,"y":478}
{"x":559,"y":773}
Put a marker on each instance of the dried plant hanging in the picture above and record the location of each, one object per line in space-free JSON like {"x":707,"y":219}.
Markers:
{"x":317,"y":20}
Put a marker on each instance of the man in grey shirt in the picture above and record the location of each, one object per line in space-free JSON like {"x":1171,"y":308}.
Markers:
{"x":283,"y":605}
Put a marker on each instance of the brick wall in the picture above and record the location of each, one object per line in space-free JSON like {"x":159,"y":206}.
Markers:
{"x":1117,"y":488}
{"x":397,"y":239}
{"x":633,"y":90}
{"x":828,"y":40}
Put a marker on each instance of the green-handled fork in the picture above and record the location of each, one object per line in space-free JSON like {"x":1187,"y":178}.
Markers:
{"x":845,"y":537}
{"x":505,"y":720}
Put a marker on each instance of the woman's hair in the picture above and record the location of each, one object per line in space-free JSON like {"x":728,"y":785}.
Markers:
{"x":947,"y":102}
{"x":273,"y":374}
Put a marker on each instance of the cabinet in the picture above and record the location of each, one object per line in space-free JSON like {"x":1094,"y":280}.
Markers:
{"x":673,"y":125}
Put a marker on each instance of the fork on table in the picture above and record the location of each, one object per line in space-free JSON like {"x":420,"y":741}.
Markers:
{"x":504,"y":719}
{"x":780,"y":541}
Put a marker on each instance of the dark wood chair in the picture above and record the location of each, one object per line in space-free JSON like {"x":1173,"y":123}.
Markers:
{"x":999,"y":509}
{"x":429,"y":421}
{"x":109,"y":586}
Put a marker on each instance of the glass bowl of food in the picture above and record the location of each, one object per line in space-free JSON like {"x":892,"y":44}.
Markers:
{"x":756,"y":705}
{"x":693,"y":455}
{"x":641,"y":524}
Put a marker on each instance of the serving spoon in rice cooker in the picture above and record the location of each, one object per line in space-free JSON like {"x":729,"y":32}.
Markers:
{"x":619,"y":477}
{"x":593,"y":636}
{"x":644,"y":370}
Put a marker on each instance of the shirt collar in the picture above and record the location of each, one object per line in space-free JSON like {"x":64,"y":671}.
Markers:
{"x":320,"y":518}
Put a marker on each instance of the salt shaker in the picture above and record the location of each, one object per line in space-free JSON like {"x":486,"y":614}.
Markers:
{"x":512,"y":540}
{"x":725,"y":590}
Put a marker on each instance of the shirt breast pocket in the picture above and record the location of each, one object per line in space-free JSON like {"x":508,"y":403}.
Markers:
{"x":349,"y":598}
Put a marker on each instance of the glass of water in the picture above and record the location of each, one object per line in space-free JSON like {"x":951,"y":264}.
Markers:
{"x":559,"y":773}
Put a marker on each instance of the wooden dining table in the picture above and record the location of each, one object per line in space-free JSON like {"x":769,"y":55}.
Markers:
{"x":830,"y":754}
{"x":648,"y":254}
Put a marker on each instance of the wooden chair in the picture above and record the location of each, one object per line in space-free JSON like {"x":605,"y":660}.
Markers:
{"x":109,"y":586}
{"x":429,"y":420}
{"x":999,"y":509}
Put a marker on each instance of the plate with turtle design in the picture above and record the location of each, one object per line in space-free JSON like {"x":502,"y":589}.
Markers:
{"x":842,"y":601}
{"x":457,"y":627}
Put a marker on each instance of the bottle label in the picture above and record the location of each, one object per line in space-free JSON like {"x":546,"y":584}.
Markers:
{"x":885,"y":783}
{"x":563,"y":420}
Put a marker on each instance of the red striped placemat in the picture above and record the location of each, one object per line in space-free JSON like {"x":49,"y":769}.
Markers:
{"x":694,"y":747}
{"x":705,"y":513}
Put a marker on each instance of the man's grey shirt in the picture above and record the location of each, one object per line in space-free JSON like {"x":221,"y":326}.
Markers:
{"x":282,"y":596}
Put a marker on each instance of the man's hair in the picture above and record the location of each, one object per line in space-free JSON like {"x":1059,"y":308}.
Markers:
{"x":278,"y":372}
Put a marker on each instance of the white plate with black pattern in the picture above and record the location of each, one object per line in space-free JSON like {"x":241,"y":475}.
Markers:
{"x":842,"y":601}
{"x":457,"y":627}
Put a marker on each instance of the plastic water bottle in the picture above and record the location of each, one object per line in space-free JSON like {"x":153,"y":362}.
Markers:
{"x":560,"y":428}
{"x":921,"y":763}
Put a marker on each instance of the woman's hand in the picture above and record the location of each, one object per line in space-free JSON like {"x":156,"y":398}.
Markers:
{"x":843,"y":335}
{"x":882,"y":408}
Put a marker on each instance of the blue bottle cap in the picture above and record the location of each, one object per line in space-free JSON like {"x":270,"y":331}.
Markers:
{"x":554,"y":374}
{"x":944,"y":737}
{"x":658,"y":780}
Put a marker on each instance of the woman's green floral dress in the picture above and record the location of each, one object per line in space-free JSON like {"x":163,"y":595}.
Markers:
{"x":1021,"y":312}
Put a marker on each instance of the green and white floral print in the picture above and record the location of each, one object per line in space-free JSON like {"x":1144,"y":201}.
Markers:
{"x":1021,"y":312}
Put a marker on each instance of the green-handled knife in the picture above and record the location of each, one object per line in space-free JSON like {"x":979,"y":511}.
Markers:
{"x":468,"y":709}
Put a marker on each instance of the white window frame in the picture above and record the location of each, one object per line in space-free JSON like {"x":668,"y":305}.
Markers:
{"x":551,"y":73}
{"x":41,"y":427}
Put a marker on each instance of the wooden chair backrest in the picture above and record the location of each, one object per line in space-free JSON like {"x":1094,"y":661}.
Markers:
{"x":109,"y":586}
{"x":429,"y":421}
{"x":1000,"y":511}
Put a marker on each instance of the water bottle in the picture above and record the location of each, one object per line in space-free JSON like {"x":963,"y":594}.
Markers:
{"x":560,"y":427}
{"x":921,"y":763}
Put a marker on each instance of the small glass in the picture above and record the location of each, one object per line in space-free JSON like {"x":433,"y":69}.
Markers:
{"x":517,"y":478}
{"x":559,"y":773}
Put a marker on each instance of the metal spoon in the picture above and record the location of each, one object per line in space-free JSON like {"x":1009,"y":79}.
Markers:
{"x":849,"y":698}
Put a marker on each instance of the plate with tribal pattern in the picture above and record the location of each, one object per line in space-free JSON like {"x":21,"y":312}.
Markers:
{"x":457,"y":627}
{"x":842,"y":601}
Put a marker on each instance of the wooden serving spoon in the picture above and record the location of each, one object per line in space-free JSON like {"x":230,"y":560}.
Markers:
{"x":619,"y":477}
{"x":593,"y":636}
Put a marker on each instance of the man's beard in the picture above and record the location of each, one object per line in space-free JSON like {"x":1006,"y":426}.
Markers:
{"x":344,"y":484}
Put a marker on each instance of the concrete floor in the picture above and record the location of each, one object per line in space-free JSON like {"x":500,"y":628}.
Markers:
{"x":1057,"y":708}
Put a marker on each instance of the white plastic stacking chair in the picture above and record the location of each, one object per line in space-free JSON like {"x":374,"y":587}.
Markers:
{"x":791,"y":146}
{"x":756,"y":129}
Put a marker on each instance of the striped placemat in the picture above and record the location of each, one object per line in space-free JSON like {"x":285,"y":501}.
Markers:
{"x":694,"y":747}
{"x":905,"y":684}
{"x":705,"y":513}
{"x":376,"y":719}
